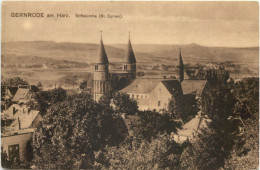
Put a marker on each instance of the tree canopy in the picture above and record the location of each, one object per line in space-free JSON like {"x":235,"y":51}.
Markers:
{"x":124,"y":104}
{"x":16,"y":81}
{"x":45,"y":99}
{"x":161,"y":153}
{"x":71,"y":131}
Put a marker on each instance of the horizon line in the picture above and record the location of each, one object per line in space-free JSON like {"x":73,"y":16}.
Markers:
{"x":193,"y":43}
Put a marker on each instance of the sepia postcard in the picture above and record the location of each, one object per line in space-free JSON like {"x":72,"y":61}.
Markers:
{"x":130,"y":85}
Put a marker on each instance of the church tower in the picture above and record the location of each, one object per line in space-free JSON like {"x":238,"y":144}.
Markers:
{"x":102,"y":84}
{"x":181,"y":67}
{"x":129,"y":63}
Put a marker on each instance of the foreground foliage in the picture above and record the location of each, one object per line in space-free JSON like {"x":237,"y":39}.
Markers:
{"x":79,"y":133}
{"x":71,"y":131}
{"x":161,"y":153}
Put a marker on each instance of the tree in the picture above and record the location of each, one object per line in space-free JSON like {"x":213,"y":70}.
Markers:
{"x":214,"y":144}
{"x":183,"y":107}
{"x":245,"y":153}
{"x":71,"y":131}
{"x":161,"y":153}
{"x":39,"y":86}
{"x":4,"y":160}
{"x":45,"y":99}
{"x":16,"y":81}
{"x":151,"y":123}
{"x":83,"y":84}
{"x":140,"y":74}
{"x":207,"y":152}
{"x":13,"y":164}
{"x":247,"y":94}
{"x":124,"y":104}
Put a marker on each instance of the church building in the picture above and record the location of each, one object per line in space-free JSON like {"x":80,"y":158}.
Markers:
{"x":106,"y":82}
{"x":150,"y":93}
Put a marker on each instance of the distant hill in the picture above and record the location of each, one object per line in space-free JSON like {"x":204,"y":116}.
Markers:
{"x":145,"y":53}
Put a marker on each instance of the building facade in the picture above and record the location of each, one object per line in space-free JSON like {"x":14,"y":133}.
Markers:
{"x":153,"y":94}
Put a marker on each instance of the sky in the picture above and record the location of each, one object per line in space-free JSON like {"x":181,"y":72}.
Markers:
{"x":230,"y":24}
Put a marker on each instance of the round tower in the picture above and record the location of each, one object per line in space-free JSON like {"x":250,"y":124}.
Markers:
{"x":102,"y":84}
{"x":129,"y":63}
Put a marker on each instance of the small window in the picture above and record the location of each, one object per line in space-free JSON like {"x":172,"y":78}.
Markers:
{"x":133,"y":95}
{"x":159,"y":103}
{"x":96,"y":67}
{"x":13,"y":151}
{"x":137,"y":96}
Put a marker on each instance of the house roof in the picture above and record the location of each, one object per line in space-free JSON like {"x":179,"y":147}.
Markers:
{"x":146,"y":86}
{"x":132,"y":123}
{"x":21,"y":93}
{"x":193,"y":126}
{"x":172,"y":85}
{"x":26,"y":121}
{"x":189,"y":86}
{"x":12,"y":90}
{"x":141,"y":86}
{"x":26,"y":118}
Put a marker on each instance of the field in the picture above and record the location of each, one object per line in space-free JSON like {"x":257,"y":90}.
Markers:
{"x":51,"y":62}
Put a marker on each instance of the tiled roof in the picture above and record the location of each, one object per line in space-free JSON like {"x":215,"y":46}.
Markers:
{"x":146,"y":86}
{"x":189,"y":86}
{"x":12,"y":90}
{"x":172,"y":85}
{"x":141,"y":86}
{"x":20,"y":94}
{"x":193,"y":126}
{"x":132,"y":124}
{"x":25,"y":118}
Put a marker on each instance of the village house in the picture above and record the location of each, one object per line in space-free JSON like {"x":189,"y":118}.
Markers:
{"x":17,"y":128}
{"x":153,"y":94}
{"x":24,"y":94}
{"x":191,"y":129}
{"x":18,"y":122}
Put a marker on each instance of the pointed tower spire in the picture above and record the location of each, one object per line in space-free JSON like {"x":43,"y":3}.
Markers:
{"x":130,"y":56}
{"x":101,"y":78}
{"x":181,"y":67}
{"x":102,"y":55}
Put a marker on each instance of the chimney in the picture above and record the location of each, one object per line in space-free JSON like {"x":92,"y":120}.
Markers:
{"x":13,"y":110}
{"x":19,"y":123}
